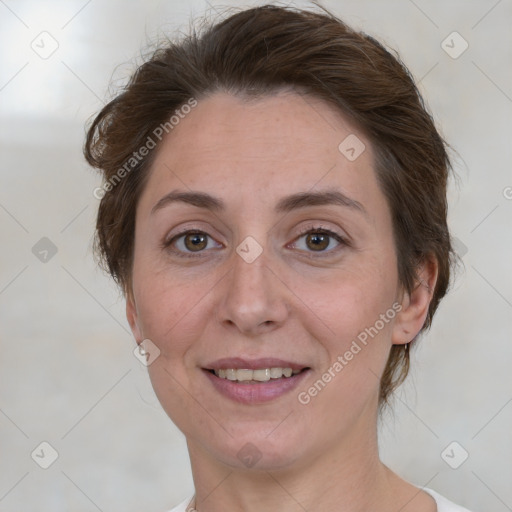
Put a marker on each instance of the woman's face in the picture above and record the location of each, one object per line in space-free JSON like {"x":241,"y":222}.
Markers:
{"x":291,"y":257}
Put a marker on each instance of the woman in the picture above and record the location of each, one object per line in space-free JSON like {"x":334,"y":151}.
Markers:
{"x":274,"y":209}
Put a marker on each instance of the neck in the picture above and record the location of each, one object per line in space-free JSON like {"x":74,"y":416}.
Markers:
{"x":340,"y":475}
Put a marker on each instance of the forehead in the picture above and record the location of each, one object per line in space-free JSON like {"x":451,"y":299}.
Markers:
{"x":274,"y":145}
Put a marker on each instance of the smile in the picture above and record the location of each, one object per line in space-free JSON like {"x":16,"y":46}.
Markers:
{"x":255,"y":386}
{"x":258,"y":375}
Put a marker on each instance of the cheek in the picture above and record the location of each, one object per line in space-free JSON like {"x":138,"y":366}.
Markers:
{"x":351,"y":314}
{"x":167,"y":309}
{"x":350,"y":298}
{"x":172,"y":314}
{"x":356,"y":347}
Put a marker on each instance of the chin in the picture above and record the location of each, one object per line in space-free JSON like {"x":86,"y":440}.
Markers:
{"x":261,"y":451}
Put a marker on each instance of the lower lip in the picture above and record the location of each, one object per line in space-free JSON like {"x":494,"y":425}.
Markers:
{"x":256,"y":393}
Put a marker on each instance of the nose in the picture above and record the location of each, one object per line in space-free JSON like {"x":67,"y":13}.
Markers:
{"x":254,"y":299}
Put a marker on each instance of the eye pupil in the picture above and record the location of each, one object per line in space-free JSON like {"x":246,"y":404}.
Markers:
{"x":319,"y":241}
{"x":195,"y":241}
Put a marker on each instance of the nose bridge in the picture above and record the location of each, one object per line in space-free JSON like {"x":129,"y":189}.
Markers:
{"x":254,"y":297}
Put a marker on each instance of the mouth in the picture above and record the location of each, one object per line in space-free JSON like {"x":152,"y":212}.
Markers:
{"x":254,"y":381}
{"x":255,"y":376}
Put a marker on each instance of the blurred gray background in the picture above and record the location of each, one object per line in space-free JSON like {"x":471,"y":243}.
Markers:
{"x":68,"y":375}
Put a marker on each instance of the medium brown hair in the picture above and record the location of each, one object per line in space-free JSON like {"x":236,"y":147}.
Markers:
{"x":256,"y":52}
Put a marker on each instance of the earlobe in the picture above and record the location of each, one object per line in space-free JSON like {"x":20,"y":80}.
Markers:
{"x":132,"y":317}
{"x":415,"y":305}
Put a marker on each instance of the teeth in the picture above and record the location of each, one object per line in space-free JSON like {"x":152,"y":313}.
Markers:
{"x":243,"y":374}
{"x":260,"y":375}
{"x":276,"y":373}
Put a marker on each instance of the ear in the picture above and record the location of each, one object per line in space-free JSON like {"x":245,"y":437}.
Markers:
{"x":411,"y":317}
{"x":132,"y":317}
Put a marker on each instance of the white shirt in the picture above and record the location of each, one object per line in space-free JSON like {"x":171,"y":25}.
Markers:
{"x":443,"y":505}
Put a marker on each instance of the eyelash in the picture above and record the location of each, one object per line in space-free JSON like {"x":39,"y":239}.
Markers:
{"x":319,"y":230}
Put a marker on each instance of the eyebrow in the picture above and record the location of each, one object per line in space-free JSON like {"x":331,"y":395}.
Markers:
{"x":284,"y":205}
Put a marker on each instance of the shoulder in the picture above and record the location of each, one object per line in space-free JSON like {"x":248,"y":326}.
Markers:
{"x":443,"y":504}
{"x":183,"y":506}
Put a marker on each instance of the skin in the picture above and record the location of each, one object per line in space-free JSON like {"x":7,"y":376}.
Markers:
{"x":292,"y":302}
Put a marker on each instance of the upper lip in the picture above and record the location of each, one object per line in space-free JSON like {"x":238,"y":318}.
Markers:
{"x":253,"y":364}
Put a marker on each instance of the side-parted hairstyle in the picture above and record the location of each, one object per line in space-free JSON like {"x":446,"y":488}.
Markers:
{"x":258,"y":52}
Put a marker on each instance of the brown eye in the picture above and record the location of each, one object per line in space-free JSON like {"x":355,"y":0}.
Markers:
{"x":317,"y":241}
{"x":195,"y":241}
{"x":191,"y":243}
{"x":320,"y":240}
